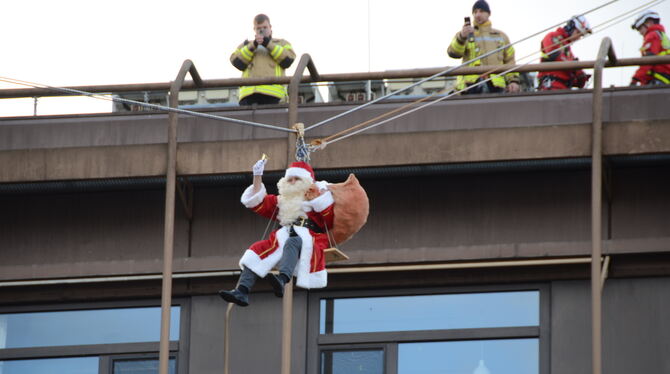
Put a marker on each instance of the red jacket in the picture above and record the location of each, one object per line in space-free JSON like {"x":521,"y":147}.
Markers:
{"x":653,"y":45}
{"x":263,"y":255}
{"x":552,"y":51}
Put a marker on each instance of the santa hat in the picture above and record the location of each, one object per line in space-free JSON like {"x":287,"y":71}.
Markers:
{"x":300,"y":169}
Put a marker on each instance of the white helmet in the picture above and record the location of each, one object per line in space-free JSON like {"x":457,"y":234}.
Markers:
{"x":580,"y":23}
{"x":643,"y":17}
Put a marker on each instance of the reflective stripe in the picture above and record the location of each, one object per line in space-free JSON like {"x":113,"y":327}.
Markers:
{"x":278,"y":71}
{"x":665,"y":42}
{"x":246,"y":53}
{"x":275,"y":90}
{"x":498,"y":81}
{"x":509,"y":51}
{"x":661,"y":78}
{"x":457,"y":47}
{"x":276,"y":51}
{"x":512,"y":76}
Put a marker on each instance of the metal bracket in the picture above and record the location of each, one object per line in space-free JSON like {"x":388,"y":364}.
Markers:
{"x":185,"y":189}
{"x":604,"y":272}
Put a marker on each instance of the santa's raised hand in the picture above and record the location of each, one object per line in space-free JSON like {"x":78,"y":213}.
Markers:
{"x":259,"y":167}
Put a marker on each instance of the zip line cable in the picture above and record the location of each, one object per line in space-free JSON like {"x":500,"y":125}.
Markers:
{"x":148,"y":105}
{"x":291,"y":130}
{"x":321,"y":143}
{"x":449,"y":70}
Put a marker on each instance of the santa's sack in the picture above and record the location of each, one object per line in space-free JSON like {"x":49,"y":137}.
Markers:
{"x":351,"y":208}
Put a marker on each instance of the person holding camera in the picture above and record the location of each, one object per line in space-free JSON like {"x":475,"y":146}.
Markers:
{"x":474,"y":41}
{"x":264,"y":56}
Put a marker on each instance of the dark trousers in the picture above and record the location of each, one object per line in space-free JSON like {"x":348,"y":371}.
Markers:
{"x":289,"y":258}
{"x":259,"y":99}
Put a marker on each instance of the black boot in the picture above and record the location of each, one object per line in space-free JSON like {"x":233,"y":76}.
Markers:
{"x":286,"y":265}
{"x":278,"y":282}
{"x":240,"y":295}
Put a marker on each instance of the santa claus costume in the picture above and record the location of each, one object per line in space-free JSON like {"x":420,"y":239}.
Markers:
{"x":297,"y":247}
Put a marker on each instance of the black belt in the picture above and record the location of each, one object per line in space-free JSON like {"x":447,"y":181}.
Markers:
{"x":308,"y":223}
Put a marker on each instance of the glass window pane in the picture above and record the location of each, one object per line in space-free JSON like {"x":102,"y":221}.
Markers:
{"x":348,"y":362}
{"x":431,"y":312}
{"x":77,"y":365}
{"x":141,"y":367}
{"x":79,"y":327}
{"x":518,"y":356}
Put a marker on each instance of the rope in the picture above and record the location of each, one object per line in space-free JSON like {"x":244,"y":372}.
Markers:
{"x":321,"y":144}
{"x":449,"y":70}
{"x":148,"y":105}
{"x":302,"y":151}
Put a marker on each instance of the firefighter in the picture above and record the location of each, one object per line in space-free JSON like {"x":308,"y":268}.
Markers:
{"x":656,"y":43}
{"x":472,"y":42}
{"x":264,"y":56}
{"x":556,"y":47}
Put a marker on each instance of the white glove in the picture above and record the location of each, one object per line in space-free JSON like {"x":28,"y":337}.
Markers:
{"x":259,"y":166}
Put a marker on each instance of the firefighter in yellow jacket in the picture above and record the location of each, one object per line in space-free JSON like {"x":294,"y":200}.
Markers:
{"x":264,"y":56}
{"x":472,"y":42}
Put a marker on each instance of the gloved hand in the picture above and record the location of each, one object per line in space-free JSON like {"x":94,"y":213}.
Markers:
{"x":259,"y":166}
{"x":266,"y":41}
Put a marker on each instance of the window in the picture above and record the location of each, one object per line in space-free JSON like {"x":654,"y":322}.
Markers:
{"x":87,"y":339}
{"x":479,"y":331}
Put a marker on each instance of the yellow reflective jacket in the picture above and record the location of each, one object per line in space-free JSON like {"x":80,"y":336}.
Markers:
{"x":486,"y":39}
{"x":270,"y":61}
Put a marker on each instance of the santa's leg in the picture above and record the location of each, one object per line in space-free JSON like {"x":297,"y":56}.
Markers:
{"x":240,"y":295}
{"x":289,"y":260}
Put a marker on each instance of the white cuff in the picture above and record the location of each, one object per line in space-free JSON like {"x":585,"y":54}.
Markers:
{"x":322,"y":202}
{"x":250,"y":199}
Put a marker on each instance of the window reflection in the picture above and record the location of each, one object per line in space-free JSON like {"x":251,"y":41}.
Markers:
{"x":80,"y":327}
{"x":352,"y":362}
{"x":77,"y":365}
{"x":430,"y":312}
{"x":518,"y":356}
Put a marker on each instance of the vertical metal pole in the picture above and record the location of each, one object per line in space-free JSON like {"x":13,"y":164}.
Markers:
{"x":168,"y":237}
{"x":287,"y":302}
{"x":226,"y":339}
{"x":596,"y":208}
{"x":287,"y":325}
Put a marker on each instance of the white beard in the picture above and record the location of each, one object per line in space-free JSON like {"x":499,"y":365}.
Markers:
{"x":290,"y":199}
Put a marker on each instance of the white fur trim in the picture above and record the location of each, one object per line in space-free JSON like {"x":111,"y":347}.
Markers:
{"x":322,"y":202}
{"x":299,"y":172}
{"x":322,"y":185}
{"x":317,"y":279}
{"x":250,"y":199}
{"x":305,"y":279}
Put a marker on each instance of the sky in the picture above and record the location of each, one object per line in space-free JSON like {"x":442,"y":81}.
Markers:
{"x":84,"y":42}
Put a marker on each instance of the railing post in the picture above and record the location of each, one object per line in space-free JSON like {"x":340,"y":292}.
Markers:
{"x":596,"y":204}
{"x":287,"y":301}
{"x":168,"y":239}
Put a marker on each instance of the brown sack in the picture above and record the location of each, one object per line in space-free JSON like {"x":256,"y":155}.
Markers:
{"x":351,"y":208}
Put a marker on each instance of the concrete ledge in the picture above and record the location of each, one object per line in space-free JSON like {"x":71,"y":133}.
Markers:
{"x":432,"y":147}
{"x":358,"y":257}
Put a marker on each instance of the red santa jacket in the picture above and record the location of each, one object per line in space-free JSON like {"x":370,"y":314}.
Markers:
{"x":264,"y":255}
{"x":552,"y":50}
{"x":656,"y":43}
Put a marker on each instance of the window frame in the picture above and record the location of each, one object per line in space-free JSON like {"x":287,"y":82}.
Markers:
{"x":106,"y":352}
{"x":388,"y":341}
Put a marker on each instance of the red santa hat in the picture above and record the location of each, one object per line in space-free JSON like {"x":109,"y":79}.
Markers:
{"x":300,"y":169}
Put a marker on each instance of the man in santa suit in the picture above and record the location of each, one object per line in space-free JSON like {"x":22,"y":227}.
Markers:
{"x":304,"y":209}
